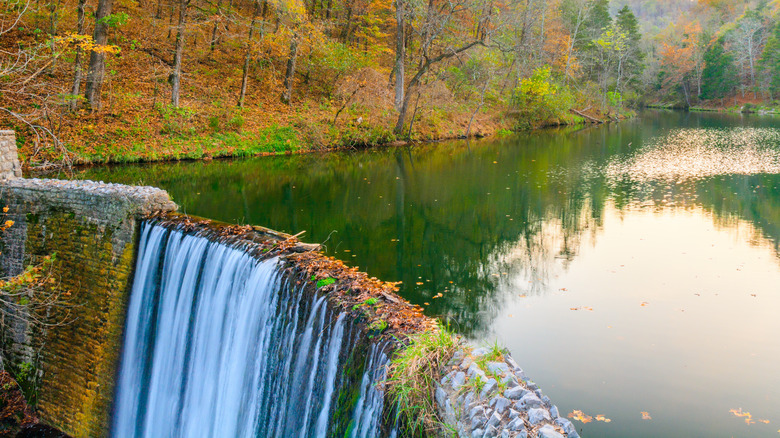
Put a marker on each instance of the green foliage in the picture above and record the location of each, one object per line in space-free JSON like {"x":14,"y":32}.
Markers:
{"x":770,"y":60}
{"x":540,"y":100}
{"x":719,"y":75}
{"x":325,"y":282}
{"x":370,"y":302}
{"x":115,"y":20}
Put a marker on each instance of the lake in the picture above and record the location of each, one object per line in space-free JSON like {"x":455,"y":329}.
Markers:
{"x":629,"y":268}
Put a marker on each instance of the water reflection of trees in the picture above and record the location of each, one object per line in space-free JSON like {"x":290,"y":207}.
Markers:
{"x":452,"y":217}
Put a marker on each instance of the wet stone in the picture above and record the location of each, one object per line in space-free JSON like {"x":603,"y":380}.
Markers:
{"x":477,"y":433}
{"x":554,"y":412}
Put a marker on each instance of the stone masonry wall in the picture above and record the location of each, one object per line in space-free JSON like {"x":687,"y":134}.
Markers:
{"x":92,"y":228}
{"x":9,"y":160}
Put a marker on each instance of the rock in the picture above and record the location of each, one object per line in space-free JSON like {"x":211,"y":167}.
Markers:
{"x":491,"y":432}
{"x":477,"y":352}
{"x":455,"y":359}
{"x":449,"y":411}
{"x":500,"y":404}
{"x":448,"y":378}
{"x":548,"y":431}
{"x":469,"y":398}
{"x":474,"y":370}
{"x":477,"y":410}
{"x":500,"y":368}
{"x":458,"y":380}
{"x":515,"y":393}
{"x":466,"y":363}
{"x":494,"y":420}
{"x":504,"y":433}
{"x":441,"y":396}
{"x":489,"y":386}
{"x":567,"y":426}
{"x":478,"y":422}
{"x":554,"y":412}
{"x":513,"y":414}
{"x":530,"y":400}
{"x":531,"y":385}
{"x":537,"y":415}
{"x":546,"y":401}
{"x":477,"y":433}
{"x":516,"y":425}
{"x":510,"y":381}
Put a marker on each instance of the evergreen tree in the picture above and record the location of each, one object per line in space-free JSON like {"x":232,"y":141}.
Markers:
{"x":629,"y":24}
{"x":719,"y":76}
{"x":770,"y":60}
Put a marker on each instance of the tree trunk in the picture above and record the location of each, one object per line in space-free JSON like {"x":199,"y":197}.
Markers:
{"x":97,"y":59}
{"x":175,"y":78}
{"x":289,"y":75}
{"x":75,"y":89}
{"x":214,"y":29}
{"x":248,"y":56}
{"x":400,"y":53}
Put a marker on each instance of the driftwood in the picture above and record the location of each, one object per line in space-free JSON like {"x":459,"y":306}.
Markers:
{"x":585,"y":116}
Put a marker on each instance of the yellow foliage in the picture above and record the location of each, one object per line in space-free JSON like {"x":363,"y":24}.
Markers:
{"x":86,"y":43}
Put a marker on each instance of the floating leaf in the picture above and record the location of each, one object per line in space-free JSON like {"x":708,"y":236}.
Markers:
{"x":600,"y":417}
{"x":580,"y":416}
{"x":646,"y":415}
{"x":644,"y":304}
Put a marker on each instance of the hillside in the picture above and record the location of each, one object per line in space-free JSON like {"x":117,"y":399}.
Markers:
{"x":129,"y":80}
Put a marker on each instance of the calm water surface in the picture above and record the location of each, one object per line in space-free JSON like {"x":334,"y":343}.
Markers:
{"x":629,"y":268}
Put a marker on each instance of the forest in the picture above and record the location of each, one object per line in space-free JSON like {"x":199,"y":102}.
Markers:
{"x":135,"y":80}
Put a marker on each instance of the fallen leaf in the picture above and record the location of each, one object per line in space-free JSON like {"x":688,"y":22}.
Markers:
{"x":644,"y":303}
{"x":580,"y":416}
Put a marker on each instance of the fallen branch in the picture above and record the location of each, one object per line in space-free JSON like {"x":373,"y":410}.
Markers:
{"x":585,"y":116}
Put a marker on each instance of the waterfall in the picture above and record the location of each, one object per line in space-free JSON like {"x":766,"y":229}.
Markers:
{"x":220,"y":344}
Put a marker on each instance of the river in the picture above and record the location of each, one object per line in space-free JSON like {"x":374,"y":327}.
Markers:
{"x":630,"y":268}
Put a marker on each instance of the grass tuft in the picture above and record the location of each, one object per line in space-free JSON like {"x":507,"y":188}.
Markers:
{"x":411,"y":380}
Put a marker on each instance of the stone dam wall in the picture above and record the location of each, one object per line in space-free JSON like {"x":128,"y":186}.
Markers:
{"x":93,"y":230}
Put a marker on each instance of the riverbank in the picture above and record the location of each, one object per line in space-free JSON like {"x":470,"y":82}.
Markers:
{"x":177,"y":135}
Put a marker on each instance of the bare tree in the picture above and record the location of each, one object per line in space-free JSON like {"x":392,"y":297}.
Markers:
{"x":175,"y":77}
{"x":97,"y":58}
{"x":75,"y":89}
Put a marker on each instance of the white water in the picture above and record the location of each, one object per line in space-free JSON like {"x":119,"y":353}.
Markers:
{"x":218,"y":344}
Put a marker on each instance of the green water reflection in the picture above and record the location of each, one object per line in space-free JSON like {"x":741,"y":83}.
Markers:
{"x":515,"y":232}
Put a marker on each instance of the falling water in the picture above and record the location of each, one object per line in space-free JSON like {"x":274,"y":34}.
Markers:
{"x":219,"y":344}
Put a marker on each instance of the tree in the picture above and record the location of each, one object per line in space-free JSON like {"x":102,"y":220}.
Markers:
{"x":75,"y":89}
{"x":746,"y":39}
{"x":440,"y":34}
{"x":97,"y":58}
{"x":719,"y":77}
{"x":175,"y":77}
{"x":770,"y":60}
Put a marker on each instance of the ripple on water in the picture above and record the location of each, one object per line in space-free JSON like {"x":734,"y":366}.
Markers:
{"x":689,"y":154}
